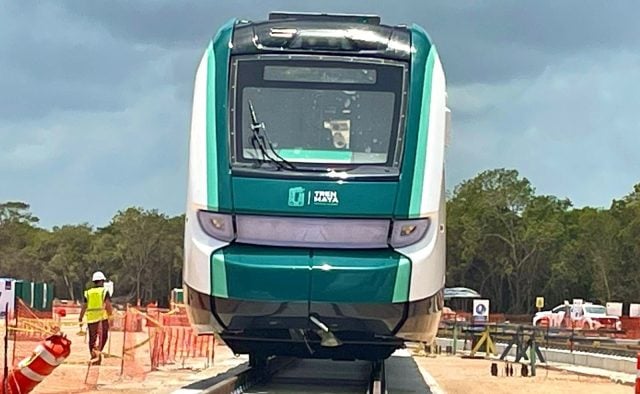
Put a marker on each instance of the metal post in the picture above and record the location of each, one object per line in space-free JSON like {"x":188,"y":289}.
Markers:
{"x":109,"y":344}
{"x":532,"y":351}
{"x":5,"y":386}
{"x":124,"y":339}
{"x":637,"y":388}
{"x":16,"y":312}
{"x":455,"y":336}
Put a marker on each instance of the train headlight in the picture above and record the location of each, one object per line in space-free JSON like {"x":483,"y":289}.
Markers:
{"x":408,"y":232}
{"x":217,"y":225}
{"x":407,"y":229}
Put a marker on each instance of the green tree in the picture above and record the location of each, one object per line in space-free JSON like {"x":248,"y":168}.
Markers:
{"x":138,"y":235}
{"x":68,"y":250}
{"x":18,"y":234}
{"x":502,"y":236}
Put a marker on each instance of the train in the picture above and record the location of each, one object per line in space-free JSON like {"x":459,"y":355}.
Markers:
{"x":315,"y":218}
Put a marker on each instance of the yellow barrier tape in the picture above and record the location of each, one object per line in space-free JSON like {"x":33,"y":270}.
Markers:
{"x":109,"y":355}
{"x":126,"y":350}
{"x":19,"y":329}
{"x":172,"y":312}
{"x":106,"y":355}
{"x":37,"y":325}
{"x":149,"y":318}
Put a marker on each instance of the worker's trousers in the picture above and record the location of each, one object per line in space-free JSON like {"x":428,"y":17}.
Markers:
{"x":98,"y":331}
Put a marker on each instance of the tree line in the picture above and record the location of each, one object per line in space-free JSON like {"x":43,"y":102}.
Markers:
{"x":139,"y":250}
{"x":512,"y":244}
{"x":503,"y":240}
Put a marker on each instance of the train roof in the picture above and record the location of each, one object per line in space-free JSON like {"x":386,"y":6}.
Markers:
{"x":338,"y":34}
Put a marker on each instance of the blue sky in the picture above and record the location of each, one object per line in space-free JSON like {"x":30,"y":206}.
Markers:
{"x":95,"y":95}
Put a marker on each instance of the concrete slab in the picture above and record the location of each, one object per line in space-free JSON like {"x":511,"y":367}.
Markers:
{"x":592,"y":360}
{"x":618,"y":369}
{"x":404,"y":376}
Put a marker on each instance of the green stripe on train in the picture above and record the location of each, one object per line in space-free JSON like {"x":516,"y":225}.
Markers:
{"x":211,"y":140}
{"x":409,"y":195}
{"x":402,"y":281}
{"x":219,"y":275}
{"x":222,"y":48}
{"x":421,"y":151}
{"x":218,"y":174}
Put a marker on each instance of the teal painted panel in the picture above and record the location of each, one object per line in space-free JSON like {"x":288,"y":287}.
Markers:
{"x":354,"y":276}
{"x":267,"y":274}
{"x":38,"y":296}
{"x":421,"y":46}
{"x":222,"y":50}
{"x":219,"y":275}
{"x":317,"y":154}
{"x":23,"y":291}
{"x":421,"y":147}
{"x":402,"y":281}
{"x":211,"y":132}
{"x":297,"y":274}
{"x":313,"y":198}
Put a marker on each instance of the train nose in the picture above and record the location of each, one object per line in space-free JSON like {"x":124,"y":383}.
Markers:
{"x":280,"y":288}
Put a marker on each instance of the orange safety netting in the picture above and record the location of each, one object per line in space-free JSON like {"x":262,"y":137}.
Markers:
{"x":137,"y":344}
{"x":173,"y":345}
{"x":175,"y":342}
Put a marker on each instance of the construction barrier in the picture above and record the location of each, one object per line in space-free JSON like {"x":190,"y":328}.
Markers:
{"x":175,"y":319}
{"x":63,"y":308}
{"x":172,"y":345}
{"x":131,"y":324}
{"x":46,"y":357}
{"x":630,"y":326}
{"x":638,"y":373}
{"x":138,"y":343}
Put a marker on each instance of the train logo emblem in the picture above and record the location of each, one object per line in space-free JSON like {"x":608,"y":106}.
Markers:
{"x":319,"y":197}
{"x":296,"y":197}
{"x":323,"y":197}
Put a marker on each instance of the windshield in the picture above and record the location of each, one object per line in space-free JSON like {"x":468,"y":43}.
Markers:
{"x":320,"y":112}
{"x":596,"y":310}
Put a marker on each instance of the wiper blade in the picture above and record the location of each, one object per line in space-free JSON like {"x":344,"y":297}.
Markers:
{"x":262,"y":141}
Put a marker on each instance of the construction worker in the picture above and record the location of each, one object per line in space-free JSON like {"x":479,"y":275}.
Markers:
{"x":97,"y":308}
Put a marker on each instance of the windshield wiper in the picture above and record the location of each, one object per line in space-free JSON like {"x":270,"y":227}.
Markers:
{"x":261,"y":140}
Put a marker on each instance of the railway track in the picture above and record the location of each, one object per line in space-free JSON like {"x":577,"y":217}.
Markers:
{"x":310,"y":376}
{"x":288,"y":376}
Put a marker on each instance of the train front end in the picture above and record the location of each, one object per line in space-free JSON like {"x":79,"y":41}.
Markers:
{"x":315,"y":216}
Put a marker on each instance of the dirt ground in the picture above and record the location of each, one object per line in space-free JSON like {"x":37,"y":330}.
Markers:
{"x":170,"y":378}
{"x":453,"y":374}
{"x":472,"y":376}
{"x":74,"y":375}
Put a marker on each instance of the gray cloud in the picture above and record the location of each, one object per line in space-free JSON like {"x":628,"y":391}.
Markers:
{"x":481,"y":40}
{"x":95,"y":96}
{"x":572,"y":130}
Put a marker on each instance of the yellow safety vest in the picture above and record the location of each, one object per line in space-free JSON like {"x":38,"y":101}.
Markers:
{"x":95,"y":304}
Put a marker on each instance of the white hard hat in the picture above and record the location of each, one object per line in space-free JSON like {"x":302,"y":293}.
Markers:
{"x":98,"y":275}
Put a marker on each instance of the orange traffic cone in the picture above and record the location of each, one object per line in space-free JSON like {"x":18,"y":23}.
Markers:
{"x":32,"y":370}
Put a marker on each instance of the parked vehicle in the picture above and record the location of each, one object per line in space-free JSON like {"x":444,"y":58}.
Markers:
{"x":581,"y":316}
